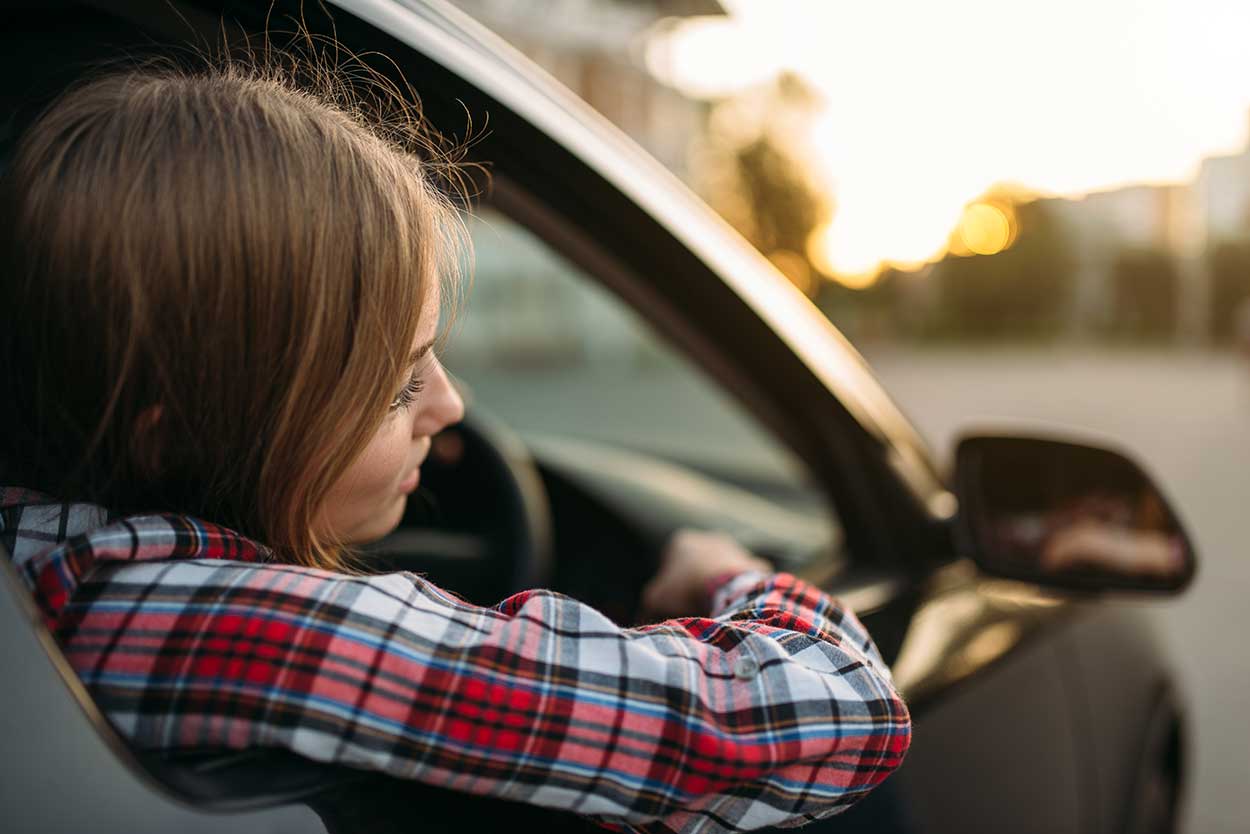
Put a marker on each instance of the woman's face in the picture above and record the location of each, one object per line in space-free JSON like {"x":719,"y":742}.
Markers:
{"x":368,"y":501}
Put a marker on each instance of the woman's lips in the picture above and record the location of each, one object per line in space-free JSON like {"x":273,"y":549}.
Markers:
{"x":409,"y":483}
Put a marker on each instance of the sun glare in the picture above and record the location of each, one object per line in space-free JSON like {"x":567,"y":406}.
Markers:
{"x":704,"y":56}
{"x":857,"y":270}
{"x":927,"y":106}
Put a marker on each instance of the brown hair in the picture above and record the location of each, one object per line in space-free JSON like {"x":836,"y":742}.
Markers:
{"x":212,"y":279}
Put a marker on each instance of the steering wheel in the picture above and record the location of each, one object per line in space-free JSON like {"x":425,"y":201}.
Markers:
{"x":480,"y":523}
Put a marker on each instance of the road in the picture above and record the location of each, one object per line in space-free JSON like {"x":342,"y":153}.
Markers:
{"x":1185,"y":415}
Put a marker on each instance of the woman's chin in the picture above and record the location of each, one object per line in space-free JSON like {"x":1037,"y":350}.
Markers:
{"x":382,"y":524}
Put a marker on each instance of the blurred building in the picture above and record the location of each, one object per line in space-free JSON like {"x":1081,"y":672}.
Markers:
{"x":595,"y":48}
{"x":1222,"y":197}
{"x":1103,"y":227}
{"x":1183,"y":223}
{"x":1221,"y":206}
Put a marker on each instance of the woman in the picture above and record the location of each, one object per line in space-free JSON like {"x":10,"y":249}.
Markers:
{"x":223,"y":292}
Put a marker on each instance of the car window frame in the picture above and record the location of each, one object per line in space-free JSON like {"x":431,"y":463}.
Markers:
{"x":881,"y":487}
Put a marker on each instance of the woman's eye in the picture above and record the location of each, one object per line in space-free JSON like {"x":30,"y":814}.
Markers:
{"x":408,"y":394}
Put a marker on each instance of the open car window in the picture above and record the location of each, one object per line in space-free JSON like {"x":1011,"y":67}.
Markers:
{"x":569,"y":365}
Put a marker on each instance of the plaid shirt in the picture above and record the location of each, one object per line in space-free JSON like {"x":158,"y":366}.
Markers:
{"x":776,"y":711}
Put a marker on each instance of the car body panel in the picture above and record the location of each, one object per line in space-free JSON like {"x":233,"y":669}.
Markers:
{"x":1002,"y":758}
{"x":65,"y":769}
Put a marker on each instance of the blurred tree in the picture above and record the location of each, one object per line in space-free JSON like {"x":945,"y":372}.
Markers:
{"x":784,"y":207}
{"x":1146,"y":288}
{"x":754,"y":170}
{"x":1023,"y":291}
{"x":1229,"y":265}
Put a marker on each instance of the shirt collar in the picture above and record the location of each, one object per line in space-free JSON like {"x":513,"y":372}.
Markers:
{"x":54,"y":544}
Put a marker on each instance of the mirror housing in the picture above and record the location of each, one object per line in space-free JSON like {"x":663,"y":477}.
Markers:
{"x":1067,"y":515}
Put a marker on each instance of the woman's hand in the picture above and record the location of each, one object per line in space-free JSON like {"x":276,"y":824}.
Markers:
{"x":689,"y":563}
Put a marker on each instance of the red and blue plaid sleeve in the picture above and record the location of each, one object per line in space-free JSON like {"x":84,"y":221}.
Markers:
{"x":776,"y":711}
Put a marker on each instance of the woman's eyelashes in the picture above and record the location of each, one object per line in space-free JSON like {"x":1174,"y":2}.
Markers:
{"x":408,"y":394}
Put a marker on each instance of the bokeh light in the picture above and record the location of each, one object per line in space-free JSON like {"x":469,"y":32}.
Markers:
{"x":986,"y":228}
{"x":849,"y":267}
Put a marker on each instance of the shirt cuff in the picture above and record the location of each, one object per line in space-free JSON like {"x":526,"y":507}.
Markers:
{"x":724,"y":587}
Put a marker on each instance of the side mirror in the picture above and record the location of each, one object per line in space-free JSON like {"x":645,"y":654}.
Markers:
{"x":1067,"y":515}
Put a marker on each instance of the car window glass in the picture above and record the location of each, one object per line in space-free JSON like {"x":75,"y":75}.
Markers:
{"x":551,"y":352}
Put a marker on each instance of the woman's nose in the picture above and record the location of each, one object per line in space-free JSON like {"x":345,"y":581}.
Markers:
{"x":441,"y":404}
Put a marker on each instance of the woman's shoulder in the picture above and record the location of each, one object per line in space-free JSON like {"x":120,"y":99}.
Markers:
{"x":80,"y":555}
{"x":58,"y":546}
{"x":35,"y":525}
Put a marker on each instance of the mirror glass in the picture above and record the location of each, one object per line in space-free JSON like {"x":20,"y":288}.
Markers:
{"x":1070,"y":515}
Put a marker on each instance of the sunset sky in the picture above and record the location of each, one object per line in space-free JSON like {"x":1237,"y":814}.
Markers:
{"x":928,"y":104}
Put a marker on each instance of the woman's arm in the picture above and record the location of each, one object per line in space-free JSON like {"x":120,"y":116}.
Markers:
{"x":824,"y":725}
{"x":777,"y":710}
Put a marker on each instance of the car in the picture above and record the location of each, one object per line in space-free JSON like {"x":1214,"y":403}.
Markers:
{"x":634,"y":367}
